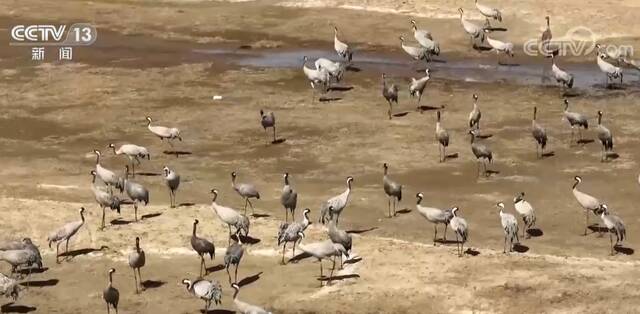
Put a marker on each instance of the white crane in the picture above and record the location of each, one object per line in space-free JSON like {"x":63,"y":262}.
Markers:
{"x":489,"y":12}
{"x":227,"y":215}
{"x":561,"y":76}
{"x":244,"y":307}
{"x":510,"y":227}
{"x":318,"y":78}
{"x":475,"y":32}
{"x":417,"y":86}
{"x":416,"y":53}
{"x":65,"y":233}
{"x":133,"y":152}
{"x":425,"y":40}
{"x":335,"y":69}
{"x":341,"y":48}
{"x":526,"y":211}
{"x":612,"y":72}
{"x":107,"y":176}
{"x":586,"y":201}
{"x":500,"y":47}
{"x":435,"y":216}
{"x":338,"y":203}
{"x":164,"y":132}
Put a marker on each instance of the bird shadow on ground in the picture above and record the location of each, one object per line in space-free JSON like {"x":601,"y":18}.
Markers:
{"x":444,"y":241}
{"x":299,"y":257}
{"x":120,"y":221}
{"x":11,"y":308}
{"x":26,"y":271}
{"x":217,"y":311}
{"x":149,"y":174}
{"x":40,"y":283}
{"x":490,"y":172}
{"x":260,"y":215}
{"x":85,"y":251}
{"x":520,"y":248}
{"x":422,"y":108}
{"x":548,"y":154}
{"x":360,"y":231}
{"x":472,"y":252}
{"x":151,"y":284}
{"x":535,"y":232}
{"x":508,"y":64}
{"x":341,"y":88}
{"x":403,"y":211}
{"x":596,"y":228}
{"x":585,"y":141}
{"x":186,"y":204}
{"x":623,"y":250}
{"x":352,"y":260}
{"x":571,"y":93}
{"x":246,"y":239}
{"x":177,"y":153}
{"x":249,"y":279}
{"x":152,"y":215}
{"x":126,"y":202}
{"x":612,"y":155}
{"x":495,"y":29}
{"x":484,"y":136}
{"x":400,"y":114}
{"x":481,"y":48}
{"x":329,"y":99}
{"x":279,"y":141}
{"x":451,"y":156}
{"x":352,"y":68}
{"x":214,"y":269}
{"x":338,"y":277}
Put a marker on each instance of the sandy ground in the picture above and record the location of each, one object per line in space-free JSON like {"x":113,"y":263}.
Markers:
{"x":54,"y":114}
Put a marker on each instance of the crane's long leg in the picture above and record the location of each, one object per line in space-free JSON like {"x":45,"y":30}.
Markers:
{"x":66,"y":250}
{"x":586,"y":223}
{"x":102,"y":227}
{"x":332,"y":269}
{"x":57,"y":254}
{"x":135,"y":279}
{"x":108,"y":310}
{"x":246,"y":200}
{"x":284,"y":247}
{"x":251,"y":205}
{"x":389,"y":205}
{"x":236,"y":276}
{"x":135,"y":209}
{"x":457,"y":245}
{"x":389,"y":112}
{"x":274,"y":133}
{"x":435,"y":234}
{"x":229,"y":238}
{"x":611,"y":241}
{"x":286,"y":215}
{"x":229,"y":274}
{"x":445,"y":232}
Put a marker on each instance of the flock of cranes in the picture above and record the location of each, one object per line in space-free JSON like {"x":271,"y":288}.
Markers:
{"x":106,"y":183}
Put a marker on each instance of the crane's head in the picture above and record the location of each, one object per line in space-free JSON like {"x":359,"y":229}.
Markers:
{"x":285,"y":175}
{"x":349,"y":180}
{"x":500,"y":205}
{"x":335,"y":29}
{"x":166,"y":170}
{"x":196,"y":221}
{"x":547,"y":18}
{"x":566,"y":101}
{"x":385,"y":166}
{"x":426,"y":72}
{"x":215,"y":194}
{"x":81,"y":210}
{"x":111,"y":145}
{"x":261,"y":112}
{"x":235,"y":286}
{"x":234,"y":174}
{"x":415,"y":27}
{"x":305,"y":59}
{"x":599,"y":113}
{"x":148,"y":119}
{"x":306,"y":211}
{"x":420,"y":196}
{"x":475,"y":97}
{"x":93,"y":173}
{"x":301,"y":235}
{"x":187,"y":283}
{"x":454,"y":210}
{"x":401,"y":38}
{"x":518,"y":197}
{"x":578,"y":179}
{"x":604,"y":209}
{"x":112,"y":270}
{"x":97,"y":152}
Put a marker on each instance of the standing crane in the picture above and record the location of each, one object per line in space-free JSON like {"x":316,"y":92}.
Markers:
{"x":539,"y":134}
{"x":111,"y":295}
{"x":416,"y":87}
{"x":588,"y":202}
{"x":605,"y":137}
{"x":335,"y":205}
{"x":510,"y":227}
{"x":288,"y":199}
{"x":392,"y":189}
{"x":460,"y":228}
{"x":65,"y":233}
{"x":442,"y":136}
{"x":390,"y":93}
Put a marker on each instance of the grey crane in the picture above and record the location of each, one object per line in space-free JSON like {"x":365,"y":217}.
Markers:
{"x":20,"y":258}
{"x":202,"y":246}
{"x":605,"y":137}
{"x":107,"y":176}
{"x":417,"y":86}
{"x":510,"y":227}
{"x":9,"y":287}
{"x":576,"y":120}
{"x":481,"y":152}
{"x":545,"y":38}
{"x":244,"y":307}
{"x":288,"y":199}
{"x":104,"y":198}
{"x":136,"y":192}
{"x":233,"y":256}
{"x":268,"y":120}
{"x":65,"y":233}
{"x":476,"y":33}
{"x":338,"y":203}
{"x":323,"y":250}
{"x":133,"y":153}
{"x":390,"y":93}
{"x":290,"y":232}
{"x":341,"y":237}
{"x":588,"y":202}
{"x":539,"y":134}
{"x":615,"y":225}
{"x":435,"y":216}
{"x":341,"y":48}
{"x":526,"y":211}
{"x":318,"y":78}
{"x":111,"y":295}
{"x":416,"y":53}
{"x":137,"y":260}
{"x":442,"y":136}
{"x":563,"y":77}
{"x":475,"y":115}
{"x":500,"y":47}
{"x":425,"y":39}
{"x":208,"y":291}
{"x":246,"y":191}
{"x":23,"y":244}
{"x":392,"y":189}
{"x":164,"y":132}
{"x":461,"y":230}
{"x":173,"y":182}
{"x":489,"y":12}
{"x":230,"y":216}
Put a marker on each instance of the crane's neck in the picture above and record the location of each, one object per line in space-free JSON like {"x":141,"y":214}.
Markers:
{"x":599,"y":119}
{"x":93,"y":179}
{"x":97,"y":159}
{"x":472,"y":138}
{"x":535,"y":113}
{"x":110,"y":279}
{"x":82,"y":217}
{"x":114,"y":150}
{"x":194,"y":229}
{"x":305,"y":219}
{"x":575,"y":185}
{"x":419,"y":201}
{"x":137,"y":247}
{"x":235,"y":293}
{"x":566,"y":107}
{"x":286,"y":180}
{"x":386,"y":170}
